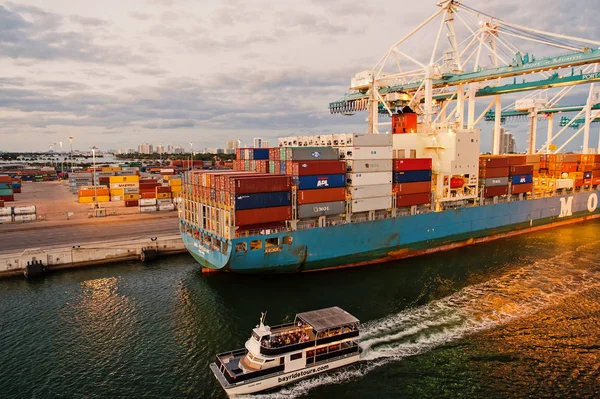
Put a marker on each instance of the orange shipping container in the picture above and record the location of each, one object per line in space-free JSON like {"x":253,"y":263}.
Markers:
{"x":91,"y":193}
{"x":412,"y":188}
{"x":323,"y":195}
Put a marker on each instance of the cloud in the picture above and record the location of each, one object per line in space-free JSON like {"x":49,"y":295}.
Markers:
{"x":86,"y":21}
{"x":139,"y":15}
{"x":150,"y":71}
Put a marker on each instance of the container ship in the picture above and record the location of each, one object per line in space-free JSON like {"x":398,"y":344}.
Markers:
{"x":328,"y":201}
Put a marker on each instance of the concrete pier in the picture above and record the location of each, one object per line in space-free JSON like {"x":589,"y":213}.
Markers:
{"x":12,"y":264}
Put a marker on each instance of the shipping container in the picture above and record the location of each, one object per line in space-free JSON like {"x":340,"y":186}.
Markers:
{"x":368,"y":179}
{"x":488,"y":173}
{"x":412,"y":188}
{"x":148,"y":195}
{"x":321,"y":182}
{"x":263,"y":200}
{"x":311,"y":153}
{"x":366,"y":153}
{"x":587,"y":175}
{"x":325,"y":195}
{"x":494,"y":162}
{"x":24,"y":210}
{"x":308,"y":211}
{"x":521,"y":188}
{"x":6,"y":211}
{"x":258,"y":184}
{"x":378,"y":190}
{"x":363,"y":166}
{"x":164,"y":201}
{"x":166,"y":207}
{"x":259,"y":216}
{"x":521,"y":170}
{"x":6,"y":219}
{"x":124,"y":179}
{"x":412,"y":176}
{"x":371,"y":204}
{"x":370,"y":140}
{"x":516,"y":160}
{"x":404,"y":200}
{"x":495,"y":191}
{"x":521,"y":179}
{"x":131,"y":203}
{"x":311,"y":168}
{"x":406,"y":164}
{"x":124,"y":185}
{"x":116,"y":198}
{"x":146,"y":209}
{"x":25,"y":218}
{"x":564,"y":183}
{"x":6,"y":192}
{"x":147,"y":201}
{"x":496,"y":181}
{"x":131,"y":190}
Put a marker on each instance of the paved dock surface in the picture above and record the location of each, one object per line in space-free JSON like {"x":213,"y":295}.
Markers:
{"x":14,"y":238}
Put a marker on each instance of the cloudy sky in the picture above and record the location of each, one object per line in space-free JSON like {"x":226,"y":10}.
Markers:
{"x":118,"y":73}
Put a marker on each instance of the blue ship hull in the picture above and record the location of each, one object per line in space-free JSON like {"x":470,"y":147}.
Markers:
{"x":356,"y":244}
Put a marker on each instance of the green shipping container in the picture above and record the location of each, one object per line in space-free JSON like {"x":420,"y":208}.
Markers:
{"x":6,"y":191}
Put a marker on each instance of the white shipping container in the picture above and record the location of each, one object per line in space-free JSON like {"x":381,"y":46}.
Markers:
{"x":131,"y":190}
{"x":116,"y":198}
{"x":370,"y":140}
{"x":378,"y":190}
{"x":125,"y":185}
{"x":365,"y":165}
{"x":369,"y":153}
{"x":6,"y":211}
{"x":371,"y":204}
{"x":163,"y":201}
{"x":145,"y":209}
{"x":25,"y":218}
{"x":148,"y":201}
{"x":368,"y":179}
{"x":166,"y":207}
{"x":6,"y":219}
{"x":564,"y":183}
{"x":24,"y":210}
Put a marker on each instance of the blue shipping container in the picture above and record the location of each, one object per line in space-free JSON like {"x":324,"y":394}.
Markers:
{"x":282,"y":167}
{"x":261,"y":154}
{"x":5,"y":185}
{"x":263,"y":200}
{"x":321,"y":181}
{"x":522,"y":179}
{"x":587,"y":175}
{"x":412,"y":176}
{"x":16,"y":185}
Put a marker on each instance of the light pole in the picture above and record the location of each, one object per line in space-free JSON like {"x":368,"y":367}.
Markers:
{"x":71,"y":154}
{"x":191,"y":155}
{"x":62,"y":163}
{"x":94,"y":175}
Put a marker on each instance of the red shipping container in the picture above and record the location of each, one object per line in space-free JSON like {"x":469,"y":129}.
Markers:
{"x":404,"y":123}
{"x":596,"y":181}
{"x":495,"y":191}
{"x":412,"y":199}
{"x":131,"y":203}
{"x":263,"y":215}
{"x":587,"y":182}
{"x":412,"y":188}
{"x":17,"y":190}
{"x":521,"y":188}
{"x":516,"y":160}
{"x":1,"y":203}
{"x":493,"y":172}
{"x":322,"y":195}
{"x":406,"y":164}
{"x":148,"y":194}
{"x":521,"y":170}
{"x":5,"y":179}
{"x":311,"y":168}
{"x":7,"y":198}
{"x":578,"y":182}
{"x":162,"y":189}
{"x":569,"y":167}
{"x":494,"y":162}
{"x":260,"y":184}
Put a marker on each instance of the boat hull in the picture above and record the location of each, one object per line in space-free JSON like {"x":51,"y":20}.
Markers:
{"x":357,"y":244}
{"x":281,"y":379}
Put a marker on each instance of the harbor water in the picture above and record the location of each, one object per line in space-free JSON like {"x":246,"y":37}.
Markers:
{"x":517,"y":317}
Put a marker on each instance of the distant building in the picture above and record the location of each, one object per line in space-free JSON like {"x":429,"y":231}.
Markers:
{"x":220,"y":151}
{"x":264,"y":144}
{"x":160,"y":149}
{"x":169,"y":149}
{"x":177,"y":150}
{"x":507,"y":142}
{"x":145,"y":148}
{"x":208,"y":150}
{"x":258,"y":142}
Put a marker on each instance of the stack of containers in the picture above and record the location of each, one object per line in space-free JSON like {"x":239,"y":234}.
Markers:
{"x":369,"y":171}
{"x":118,"y":185}
{"x":16,"y":185}
{"x":22,"y":214}
{"x":520,"y":174}
{"x":493,"y":173}
{"x":589,"y":165}
{"x":89,"y":194}
{"x":412,"y":181}
{"x":319,"y":176}
{"x":175,"y":183}
{"x":5,"y":213}
{"x":78,"y":179}
{"x":259,"y":200}
{"x":6,"y":190}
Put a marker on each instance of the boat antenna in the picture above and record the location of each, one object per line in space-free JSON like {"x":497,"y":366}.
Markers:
{"x":262,"y":318}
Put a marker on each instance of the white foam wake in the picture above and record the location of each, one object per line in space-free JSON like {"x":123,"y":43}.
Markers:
{"x":518,"y":294}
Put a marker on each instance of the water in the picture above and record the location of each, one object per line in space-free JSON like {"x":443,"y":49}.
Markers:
{"x":518,"y":317}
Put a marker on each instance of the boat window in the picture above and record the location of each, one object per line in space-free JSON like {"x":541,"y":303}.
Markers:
{"x":310,"y":353}
{"x":256,"y":244}
{"x":296,"y":356}
{"x":255,"y":336}
{"x":272,"y":242}
{"x":270,"y":360}
{"x":287,"y":240}
{"x":240,"y":247}
{"x":281,"y":360}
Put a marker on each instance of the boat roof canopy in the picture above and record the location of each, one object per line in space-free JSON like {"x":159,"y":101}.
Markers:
{"x":327,"y":318}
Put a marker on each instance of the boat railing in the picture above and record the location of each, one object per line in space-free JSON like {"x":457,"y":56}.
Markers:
{"x":307,"y":344}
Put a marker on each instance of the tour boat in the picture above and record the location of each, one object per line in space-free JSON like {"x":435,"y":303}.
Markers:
{"x":317,"y":341}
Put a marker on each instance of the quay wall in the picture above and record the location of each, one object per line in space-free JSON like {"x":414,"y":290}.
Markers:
{"x":12,"y":264}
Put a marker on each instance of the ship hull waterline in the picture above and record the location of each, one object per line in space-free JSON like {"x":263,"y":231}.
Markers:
{"x":384,"y":240}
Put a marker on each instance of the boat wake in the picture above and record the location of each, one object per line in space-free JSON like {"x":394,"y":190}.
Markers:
{"x":473,"y":309}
